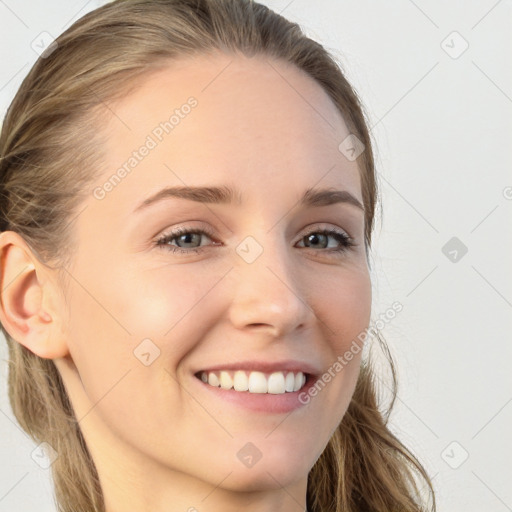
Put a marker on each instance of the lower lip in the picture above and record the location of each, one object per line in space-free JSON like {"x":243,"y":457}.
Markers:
{"x":261,"y":402}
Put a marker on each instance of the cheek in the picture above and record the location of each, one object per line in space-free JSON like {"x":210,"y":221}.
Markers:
{"x":113,"y":324}
{"x":141,"y":304}
{"x":113,"y":321}
{"x":345,"y":304}
{"x":345,"y":309}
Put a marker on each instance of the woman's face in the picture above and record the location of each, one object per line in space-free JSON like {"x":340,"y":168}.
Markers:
{"x":254,"y":287}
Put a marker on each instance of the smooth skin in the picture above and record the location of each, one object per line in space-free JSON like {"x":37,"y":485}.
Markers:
{"x":159,"y":438}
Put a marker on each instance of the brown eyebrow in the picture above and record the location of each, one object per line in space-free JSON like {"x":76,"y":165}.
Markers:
{"x":226,"y":195}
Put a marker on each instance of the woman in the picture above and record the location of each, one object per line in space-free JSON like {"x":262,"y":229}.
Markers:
{"x":188,"y":195}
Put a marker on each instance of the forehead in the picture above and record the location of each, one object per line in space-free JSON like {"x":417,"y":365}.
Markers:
{"x":252,"y":119}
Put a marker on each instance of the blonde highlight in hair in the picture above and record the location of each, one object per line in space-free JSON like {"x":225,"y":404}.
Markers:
{"x":50,"y":155}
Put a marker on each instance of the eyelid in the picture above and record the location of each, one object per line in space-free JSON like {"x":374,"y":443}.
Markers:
{"x":323,"y":226}
{"x":185,"y":228}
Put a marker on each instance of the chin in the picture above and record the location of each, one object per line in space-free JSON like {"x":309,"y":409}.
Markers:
{"x":265,"y":477}
{"x":274,"y":469}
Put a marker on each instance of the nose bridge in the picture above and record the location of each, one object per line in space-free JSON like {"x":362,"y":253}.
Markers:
{"x":267,"y":289}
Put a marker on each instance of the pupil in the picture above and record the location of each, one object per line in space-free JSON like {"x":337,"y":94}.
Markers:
{"x":187,"y":236}
{"x":314,"y":238}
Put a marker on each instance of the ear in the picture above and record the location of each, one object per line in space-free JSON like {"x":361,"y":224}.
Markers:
{"x":29,"y":299}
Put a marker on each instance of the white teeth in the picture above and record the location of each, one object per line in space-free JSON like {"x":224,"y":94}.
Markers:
{"x":213,"y":380}
{"x":226,"y":382}
{"x":289,"y":383}
{"x":298,"y":381}
{"x":276,"y":383}
{"x":240,"y":381}
{"x":257,"y":383}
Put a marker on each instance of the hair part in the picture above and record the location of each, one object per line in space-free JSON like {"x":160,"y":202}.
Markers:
{"x":51,"y":153}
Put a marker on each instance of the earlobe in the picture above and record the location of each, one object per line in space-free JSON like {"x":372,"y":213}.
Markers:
{"x":27,"y":306}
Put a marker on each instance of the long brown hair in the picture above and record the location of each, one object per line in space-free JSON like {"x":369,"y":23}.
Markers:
{"x":48,"y":147}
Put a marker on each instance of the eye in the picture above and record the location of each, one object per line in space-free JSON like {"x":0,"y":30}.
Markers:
{"x":186,"y":240}
{"x":313,"y":240}
{"x":184,"y":237}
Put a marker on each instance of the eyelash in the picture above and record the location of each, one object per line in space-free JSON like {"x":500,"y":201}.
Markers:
{"x":346,"y":241}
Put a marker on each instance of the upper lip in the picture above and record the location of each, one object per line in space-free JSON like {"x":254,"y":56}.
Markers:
{"x":266,"y":366}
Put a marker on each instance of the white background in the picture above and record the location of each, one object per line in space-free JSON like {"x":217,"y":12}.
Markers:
{"x":443,"y":128}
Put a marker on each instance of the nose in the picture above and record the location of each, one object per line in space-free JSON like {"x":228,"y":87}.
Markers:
{"x":269,"y":292}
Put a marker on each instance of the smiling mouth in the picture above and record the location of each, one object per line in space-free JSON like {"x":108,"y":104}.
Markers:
{"x":276,"y":383}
